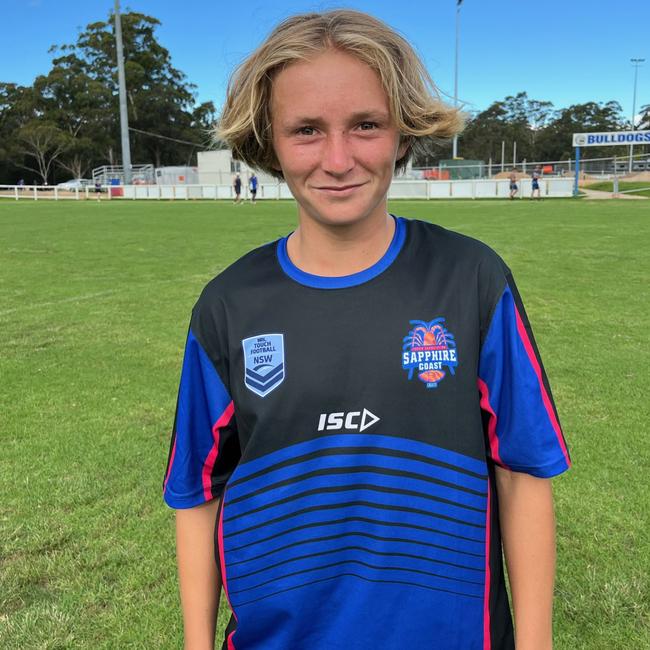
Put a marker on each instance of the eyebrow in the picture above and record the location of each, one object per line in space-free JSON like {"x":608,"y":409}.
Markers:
{"x":361,"y":116}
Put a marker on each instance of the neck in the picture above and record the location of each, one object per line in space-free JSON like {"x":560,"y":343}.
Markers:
{"x":334,"y":251}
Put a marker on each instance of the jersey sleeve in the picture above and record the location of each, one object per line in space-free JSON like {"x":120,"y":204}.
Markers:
{"x":523,"y":428}
{"x":204,"y":448}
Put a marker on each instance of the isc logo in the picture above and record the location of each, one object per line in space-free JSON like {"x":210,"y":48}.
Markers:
{"x":360,"y":420}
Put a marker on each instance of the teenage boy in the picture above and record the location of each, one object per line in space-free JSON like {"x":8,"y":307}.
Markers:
{"x":363,"y":416}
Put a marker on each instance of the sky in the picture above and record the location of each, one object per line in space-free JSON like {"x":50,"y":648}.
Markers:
{"x":562,"y":51}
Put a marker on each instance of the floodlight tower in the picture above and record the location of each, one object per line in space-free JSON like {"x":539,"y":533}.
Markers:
{"x":455,"y":142}
{"x":636,"y":63}
{"x":124,"y":116}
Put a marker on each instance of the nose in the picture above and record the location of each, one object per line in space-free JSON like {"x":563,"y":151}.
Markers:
{"x":338,"y":157}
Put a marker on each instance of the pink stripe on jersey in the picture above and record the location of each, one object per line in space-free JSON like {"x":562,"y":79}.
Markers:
{"x":525,"y":339}
{"x":492,"y":423}
{"x":171,"y":462}
{"x":487,"y":636}
{"x":222,"y":565}
{"x":208,"y":466}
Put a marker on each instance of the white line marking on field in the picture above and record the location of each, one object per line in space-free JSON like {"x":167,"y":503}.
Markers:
{"x":91,"y":296}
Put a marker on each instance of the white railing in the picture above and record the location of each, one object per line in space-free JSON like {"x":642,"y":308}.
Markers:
{"x":43,"y":192}
{"x":599,"y":165}
{"x":106,"y":172}
{"x":399,"y":189}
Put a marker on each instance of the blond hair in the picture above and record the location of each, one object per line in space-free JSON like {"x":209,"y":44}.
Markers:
{"x":415,"y":104}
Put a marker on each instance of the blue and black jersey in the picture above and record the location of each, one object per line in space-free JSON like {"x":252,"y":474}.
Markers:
{"x":351,"y":426}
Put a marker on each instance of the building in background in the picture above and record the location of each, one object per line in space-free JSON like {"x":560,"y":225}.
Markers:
{"x":179,"y":175}
{"x":219,"y":168}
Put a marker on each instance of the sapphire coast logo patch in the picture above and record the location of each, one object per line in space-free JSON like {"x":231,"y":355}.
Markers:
{"x":427,"y":349}
{"x":263,"y":363}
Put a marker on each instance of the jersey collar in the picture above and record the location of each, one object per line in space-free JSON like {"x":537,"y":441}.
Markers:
{"x":344,"y":281}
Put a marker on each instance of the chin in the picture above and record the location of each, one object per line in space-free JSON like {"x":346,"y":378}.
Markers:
{"x":342,"y":213}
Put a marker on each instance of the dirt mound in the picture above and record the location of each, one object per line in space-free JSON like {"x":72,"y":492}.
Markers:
{"x":506,"y":175}
{"x":639,"y":176}
{"x":596,"y":194}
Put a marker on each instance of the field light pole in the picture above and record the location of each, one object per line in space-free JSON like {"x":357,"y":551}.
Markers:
{"x":124,"y":116}
{"x":454,"y":153}
{"x":636,"y":63}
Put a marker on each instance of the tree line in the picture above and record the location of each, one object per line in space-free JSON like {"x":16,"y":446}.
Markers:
{"x":67,"y":121}
{"x":541,"y":132}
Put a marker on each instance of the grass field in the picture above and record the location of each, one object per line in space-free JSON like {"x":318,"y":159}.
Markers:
{"x":94,"y":304}
{"x":641,"y":188}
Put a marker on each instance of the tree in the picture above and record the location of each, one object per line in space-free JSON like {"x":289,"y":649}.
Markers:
{"x":644,"y":121}
{"x":30,"y":140}
{"x":80,"y":107}
{"x":517,"y":118}
{"x":8,"y":126}
{"x":160,"y":99}
{"x":555,"y":140}
{"x":484,"y":133}
{"x":643,"y":125}
{"x":42,"y":144}
{"x":68,"y":118}
{"x":541,"y":133}
{"x":17,"y":107}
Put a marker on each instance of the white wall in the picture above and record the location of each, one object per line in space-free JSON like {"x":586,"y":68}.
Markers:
{"x":215,"y":169}
{"x":179,"y":175}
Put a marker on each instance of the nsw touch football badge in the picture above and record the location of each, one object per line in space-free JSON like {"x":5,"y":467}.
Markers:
{"x":263,"y":363}
{"x":427,"y":349}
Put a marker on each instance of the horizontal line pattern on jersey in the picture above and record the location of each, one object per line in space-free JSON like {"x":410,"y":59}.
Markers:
{"x":375,"y":509}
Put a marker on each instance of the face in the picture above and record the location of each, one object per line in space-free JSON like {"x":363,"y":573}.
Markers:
{"x":334,"y":138}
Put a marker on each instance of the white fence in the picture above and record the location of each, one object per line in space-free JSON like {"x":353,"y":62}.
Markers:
{"x":399,"y":189}
{"x":477,"y":189}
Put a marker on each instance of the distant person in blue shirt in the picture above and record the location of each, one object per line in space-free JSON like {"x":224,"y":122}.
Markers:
{"x":537,"y":172}
{"x":252,"y":186}
{"x":237,"y":187}
{"x":513,"y":184}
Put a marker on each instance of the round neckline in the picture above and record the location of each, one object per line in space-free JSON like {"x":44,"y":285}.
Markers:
{"x":344,"y":281}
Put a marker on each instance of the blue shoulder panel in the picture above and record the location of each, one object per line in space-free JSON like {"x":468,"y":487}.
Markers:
{"x":524,"y":434}
{"x":203,"y":405}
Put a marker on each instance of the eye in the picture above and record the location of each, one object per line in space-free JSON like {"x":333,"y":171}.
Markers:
{"x":306,"y":130}
{"x":368,"y":126}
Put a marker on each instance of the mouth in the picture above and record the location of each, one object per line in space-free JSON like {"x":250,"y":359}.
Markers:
{"x":339,"y":190}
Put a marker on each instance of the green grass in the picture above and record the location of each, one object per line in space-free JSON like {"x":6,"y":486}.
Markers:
{"x":623,"y":186}
{"x":94,"y":305}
